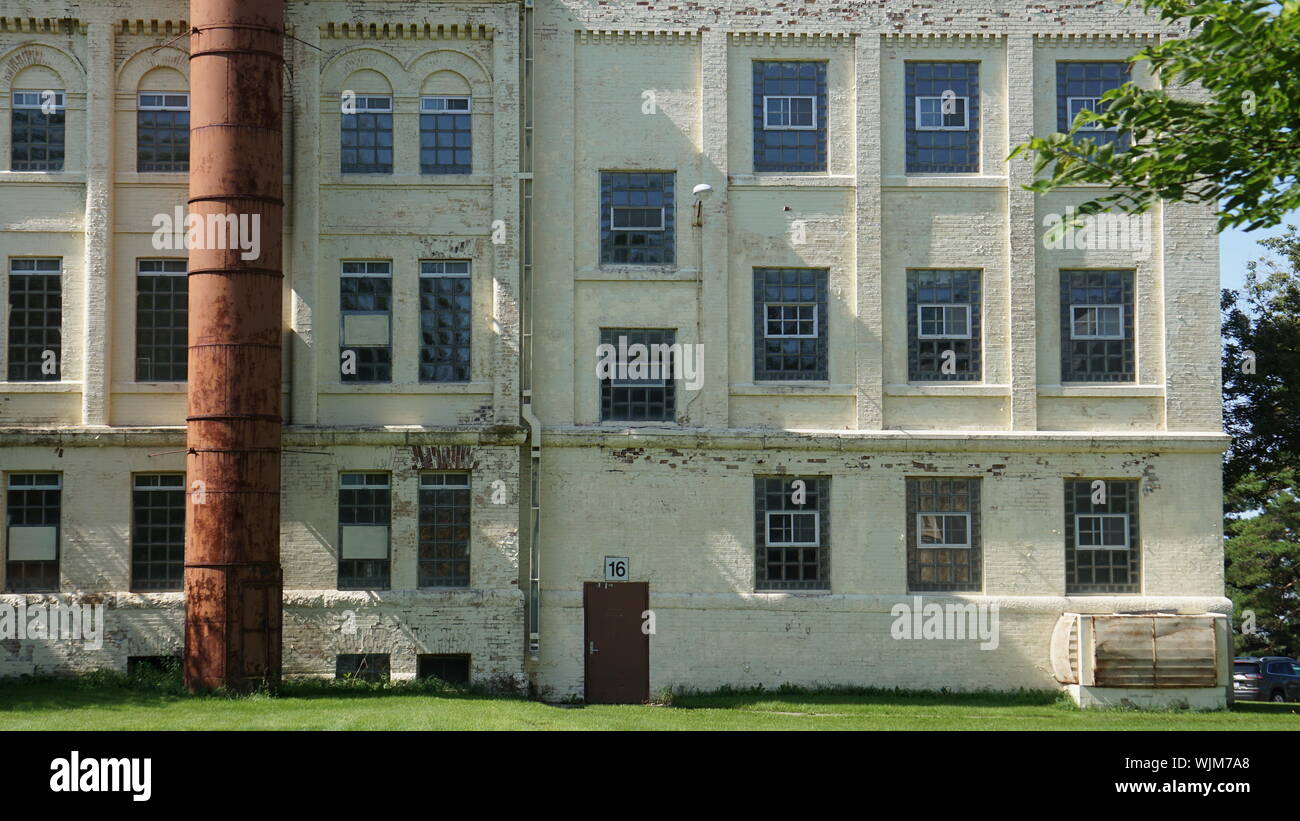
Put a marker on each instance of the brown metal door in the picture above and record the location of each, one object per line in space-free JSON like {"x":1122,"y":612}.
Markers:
{"x":615,"y":647}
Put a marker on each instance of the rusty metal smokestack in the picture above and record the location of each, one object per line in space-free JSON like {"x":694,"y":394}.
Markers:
{"x":233,"y":581}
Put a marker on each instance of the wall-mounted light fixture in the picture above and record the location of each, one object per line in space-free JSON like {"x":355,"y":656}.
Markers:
{"x":702,"y":192}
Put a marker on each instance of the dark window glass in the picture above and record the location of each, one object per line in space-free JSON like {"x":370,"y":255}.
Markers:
{"x":943,"y":325}
{"x":35,"y":320}
{"x":446,"y":321}
{"x":790,"y":323}
{"x":37,"y":131}
{"x":444,"y":530}
{"x":163,"y":132}
{"x":365,"y":316}
{"x":453,"y":669}
{"x":445,"y":139}
{"x":365,"y":517}
{"x":32,"y":538}
{"x":790,"y":116}
{"x":943,"y":535}
{"x":1080,"y":86}
{"x":637,"y":217}
{"x":1097,"y":326}
{"x":792,"y":533}
{"x":652,"y":397}
{"x":366,"y":137}
{"x":362,"y":666}
{"x":161,"y":321}
{"x":1101,"y":537}
{"x":158,"y":532}
{"x":942,"y":113}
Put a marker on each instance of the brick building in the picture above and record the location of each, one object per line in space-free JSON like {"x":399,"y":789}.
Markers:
{"x":481,"y":194}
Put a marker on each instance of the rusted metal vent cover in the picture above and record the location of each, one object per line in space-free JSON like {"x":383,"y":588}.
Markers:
{"x":1136,"y":650}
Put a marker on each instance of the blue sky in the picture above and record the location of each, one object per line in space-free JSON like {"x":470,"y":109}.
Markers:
{"x":1236,"y":247}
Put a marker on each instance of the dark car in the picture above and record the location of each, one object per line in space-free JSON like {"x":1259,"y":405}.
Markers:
{"x":1270,"y":678}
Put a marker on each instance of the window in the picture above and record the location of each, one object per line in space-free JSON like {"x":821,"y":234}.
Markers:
{"x":1096,"y":321}
{"x":453,"y":669}
{"x":1097,"y":326}
{"x":942,"y":113}
{"x":943,"y":535}
{"x":365,"y":317}
{"x":944,"y":321}
{"x":162,"y":134}
{"x":161,"y":320}
{"x":1079,"y":86}
{"x":792,"y":539}
{"x":362,"y":666}
{"x":637,"y":215}
{"x":942,"y":117}
{"x":1101,"y":536}
{"x":943,"y":325}
{"x":367,"y":136}
{"x":445,"y":139}
{"x":37,"y":131}
{"x":444,"y":530}
{"x":158,"y":532}
{"x":642,"y":389}
{"x":790,"y":324}
{"x":35,"y":319}
{"x":789,"y":116}
{"x":32,"y":540}
{"x":446,"y":321}
{"x":365,"y":515}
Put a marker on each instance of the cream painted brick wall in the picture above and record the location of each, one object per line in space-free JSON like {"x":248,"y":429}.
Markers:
{"x":683,"y":511}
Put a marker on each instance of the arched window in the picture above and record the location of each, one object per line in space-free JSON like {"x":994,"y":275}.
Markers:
{"x":37,"y":120}
{"x":162,"y":136}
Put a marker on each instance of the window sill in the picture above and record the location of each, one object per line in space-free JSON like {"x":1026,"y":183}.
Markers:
{"x":150,"y":387}
{"x":43,"y":176}
{"x":788,"y":179}
{"x":1101,"y":389}
{"x":412,"y":388}
{"x":178,"y":178}
{"x":764,"y":592}
{"x":948,"y":389}
{"x":40,"y":387}
{"x":337,"y":180}
{"x":626,"y":273}
{"x":817,"y":387}
{"x":918,"y":179}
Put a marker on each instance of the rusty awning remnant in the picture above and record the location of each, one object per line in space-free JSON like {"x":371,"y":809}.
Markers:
{"x":232,"y":525}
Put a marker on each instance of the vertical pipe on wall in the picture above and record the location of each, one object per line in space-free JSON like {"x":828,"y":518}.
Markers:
{"x":232,"y":535}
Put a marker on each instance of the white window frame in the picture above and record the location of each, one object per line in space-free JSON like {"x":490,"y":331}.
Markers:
{"x":425,"y":101}
{"x":920,"y":530}
{"x":163,"y":272}
{"x":769,"y":127}
{"x":663,"y":217}
{"x":965,"y":112}
{"x":35,"y":269}
{"x":164,"y":105}
{"x":816,"y":319}
{"x":1075,"y":307}
{"x":367,"y":273}
{"x":464,"y":476}
{"x":362,"y":102}
{"x":427,"y":268}
{"x":920,"y":334}
{"x":59,"y":99}
{"x":817,"y":528}
{"x":1127,"y":530}
{"x":1071,"y":113}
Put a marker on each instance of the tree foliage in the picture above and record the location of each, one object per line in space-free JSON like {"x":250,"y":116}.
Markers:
{"x":1236,"y":147}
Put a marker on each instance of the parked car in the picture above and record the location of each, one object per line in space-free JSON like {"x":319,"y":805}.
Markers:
{"x":1269,"y":678}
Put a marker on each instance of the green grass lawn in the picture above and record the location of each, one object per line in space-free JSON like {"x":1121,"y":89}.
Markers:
{"x":114,"y":703}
